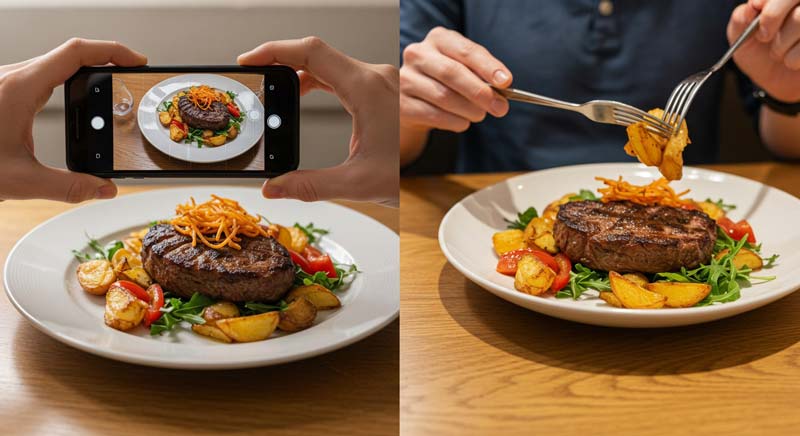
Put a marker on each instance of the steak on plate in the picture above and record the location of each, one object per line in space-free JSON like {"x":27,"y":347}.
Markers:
{"x":215,"y":118}
{"x":626,"y":237}
{"x":261,"y":271}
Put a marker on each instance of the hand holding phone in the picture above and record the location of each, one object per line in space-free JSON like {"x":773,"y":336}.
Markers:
{"x":25,"y":87}
{"x":370,"y":94}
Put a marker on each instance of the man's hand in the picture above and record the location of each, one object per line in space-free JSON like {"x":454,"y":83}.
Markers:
{"x":445,"y":84}
{"x":25,"y":87}
{"x":772,"y":57}
{"x":369,"y":93}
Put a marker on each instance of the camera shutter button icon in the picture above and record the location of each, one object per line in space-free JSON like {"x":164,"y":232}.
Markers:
{"x":273,"y":121}
{"x":98,"y":123}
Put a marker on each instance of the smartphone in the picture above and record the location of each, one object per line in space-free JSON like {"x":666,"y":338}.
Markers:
{"x":198,"y":121}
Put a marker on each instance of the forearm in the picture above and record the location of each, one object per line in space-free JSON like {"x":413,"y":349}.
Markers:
{"x":780,"y":133}
{"x":412,"y":143}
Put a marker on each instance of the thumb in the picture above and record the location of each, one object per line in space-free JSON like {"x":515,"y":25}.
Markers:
{"x":310,"y":185}
{"x":61,"y":185}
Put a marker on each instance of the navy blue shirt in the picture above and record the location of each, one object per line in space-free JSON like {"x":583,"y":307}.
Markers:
{"x":569,"y":50}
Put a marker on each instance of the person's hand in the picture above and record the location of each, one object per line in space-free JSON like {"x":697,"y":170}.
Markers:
{"x":369,"y":93}
{"x":771,"y":57}
{"x":444,"y":84}
{"x":25,"y":87}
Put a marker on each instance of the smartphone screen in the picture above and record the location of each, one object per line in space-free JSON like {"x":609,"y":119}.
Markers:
{"x":183,"y":121}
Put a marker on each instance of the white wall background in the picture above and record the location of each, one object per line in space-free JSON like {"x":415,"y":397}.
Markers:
{"x":365,"y":29}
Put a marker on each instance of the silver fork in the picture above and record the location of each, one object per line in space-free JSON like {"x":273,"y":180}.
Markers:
{"x":683,"y":94}
{"x":600,"y":111}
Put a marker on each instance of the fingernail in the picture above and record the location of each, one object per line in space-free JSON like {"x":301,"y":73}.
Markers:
{"x":105,"y":192}
{"x":500,"y":77}
{"x":272,"y":190}
{"x":497,"y":107}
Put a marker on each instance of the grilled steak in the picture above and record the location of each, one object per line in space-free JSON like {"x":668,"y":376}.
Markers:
{"x":215,"y":118}
{"x":627,"y":237}
{"x":261,"y":271}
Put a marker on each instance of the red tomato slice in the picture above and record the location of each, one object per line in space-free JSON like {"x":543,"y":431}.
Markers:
{"x":300,"y":261}
{"x":156,"y":303}
{"x":508,"y":262}
{"x":743,"y":228}
{"x":134,"y":289}
{"x":232,"y":109}
{"x":727,"y":224}
{"x":319,"y":261}
{"x":179,"y":125}
{"x":564,"y":268}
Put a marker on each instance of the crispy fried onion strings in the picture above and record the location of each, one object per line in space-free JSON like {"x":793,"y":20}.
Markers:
{"x":216,"y":223}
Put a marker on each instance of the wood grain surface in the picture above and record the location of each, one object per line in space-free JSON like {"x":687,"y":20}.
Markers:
{"x":472,"y":363}
{"x":47,"y":388}
{"x":133,"y":152}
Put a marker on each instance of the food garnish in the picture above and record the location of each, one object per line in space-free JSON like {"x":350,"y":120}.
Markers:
{"x":656,"y":192}
{"x":202,"y":96}
{"x":219,"y":217}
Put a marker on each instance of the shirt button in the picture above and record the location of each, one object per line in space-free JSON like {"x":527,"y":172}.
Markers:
{"x":605,"y":7}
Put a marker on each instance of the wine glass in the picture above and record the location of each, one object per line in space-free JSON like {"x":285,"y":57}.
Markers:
{"x":121,"y":99}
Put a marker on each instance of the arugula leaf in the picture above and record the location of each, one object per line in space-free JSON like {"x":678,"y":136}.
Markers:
{"x":164,"y":106}
{"x":523,"y":218}
{"x":100,"y":251}
{"x":770,"y":261}
{"x":343,"y":272}
{"x":176,"y":310}
{"x":720,"y":204}
{"x":231,"y":94}
{"x":582,"y":279}
{"x":253,"y":308}
{"x":313,"y":233}
{"x":584,"y":195}
{"x":112,"y":247}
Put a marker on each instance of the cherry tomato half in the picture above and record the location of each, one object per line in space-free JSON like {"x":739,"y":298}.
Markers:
{"x":564,"y":268}
{"x":156,"y":303}
{"x":134,"y":289}
{"x":508,"y":261}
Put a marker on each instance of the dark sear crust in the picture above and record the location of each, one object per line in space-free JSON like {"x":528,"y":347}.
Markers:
{"x":627,"y":237}
{"x":215,"y":118}
{"x":261,"y":271}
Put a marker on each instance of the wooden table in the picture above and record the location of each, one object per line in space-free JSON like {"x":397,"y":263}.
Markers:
{"x":48,"y":388}
{"x":133,"y":152}
{"x":472,"y":363}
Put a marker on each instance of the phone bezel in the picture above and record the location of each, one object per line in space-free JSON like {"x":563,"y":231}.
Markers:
{"x":286,"y":101}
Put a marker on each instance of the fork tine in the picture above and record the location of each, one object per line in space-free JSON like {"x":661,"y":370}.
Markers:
{"x":671,"y":102}
{"x":626,"y":118}
{"x":685,"y":108}
{"x":685,"y":102}
{"x":679,"y":98}
{"x":632,"y":115}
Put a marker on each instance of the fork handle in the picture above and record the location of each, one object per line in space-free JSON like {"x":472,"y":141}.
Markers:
{"x":529,"y":97}
{"x":735,"y":46}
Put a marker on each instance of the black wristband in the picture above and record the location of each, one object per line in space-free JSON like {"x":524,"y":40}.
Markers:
{"x":775,"y":104}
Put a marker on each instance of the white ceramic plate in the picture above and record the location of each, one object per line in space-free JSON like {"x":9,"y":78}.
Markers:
{"x":158,"y":135}
{"x":466,"y":231}
{"x":40,"y":282}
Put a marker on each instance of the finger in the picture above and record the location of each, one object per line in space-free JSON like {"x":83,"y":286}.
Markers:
{"x":454,"y":75}
{"x":11,"y":67}
{"x":311,"y":54}
{"x":55,"y":67}
{"x":787,"y":36}
{"x":421,"y":113}
{"x":741,"y":17}
{"x":61,"y":185}
{"x":792,"y":58}
{"x":309,"y":83}
{"x":476,"y":57}
{"x":310,"y":185}
{"x":424,"y":88}
{"x":773,"y":14}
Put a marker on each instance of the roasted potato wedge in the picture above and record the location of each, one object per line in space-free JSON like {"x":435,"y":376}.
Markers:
{"x":137,"y":275}
{"x":134,"y":245}
{"x":744,"y":258}
{"x":712,"y":210}
{"x":539,"y":233}
{"x":533,"y":276}
{"x":319,"y":296}
{"x":220,"y":310}
{"x":671,"y":166}
{"x":124,"y":255}
{"x":638,"y":278}
{"x":207,"y":133}
{"x":298,"y":315}
{"x":95,"y":276}
{"x":508,"y":240}
{"x":634,"y":296}
{"x":140,"y":234}
{"x":165,"y":118}
{"x":611,"y":299}
{"x":646,"y":146}
{"x":216,"y":141}
{"x":123,"y":310}
{"x":284,"y":236}
{"x":551,"y":210}
{"x":249,"y":328}
{"x":176,"y":134}
{"x":546,"y":242}
{"x":212,"y":331}
{"x":232,"y":132}
{"x":680,"y":294}
{"x":299,"y":239}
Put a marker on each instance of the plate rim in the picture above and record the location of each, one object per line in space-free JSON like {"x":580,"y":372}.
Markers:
{"x":671,"y":318}
{"x":128,"y":357}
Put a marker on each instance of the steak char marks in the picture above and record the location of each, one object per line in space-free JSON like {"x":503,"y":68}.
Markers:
{"x":626,"y":237}
{"x":261,"y":271}
{"x":215,"y":118}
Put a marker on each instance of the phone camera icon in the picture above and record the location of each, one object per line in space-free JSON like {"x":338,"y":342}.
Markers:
{"x":273,"y":121}
{"x":271,"y":157}
{"x":271,"y":87}
{"x":97,"y":90}
{"x":97,"y":156}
